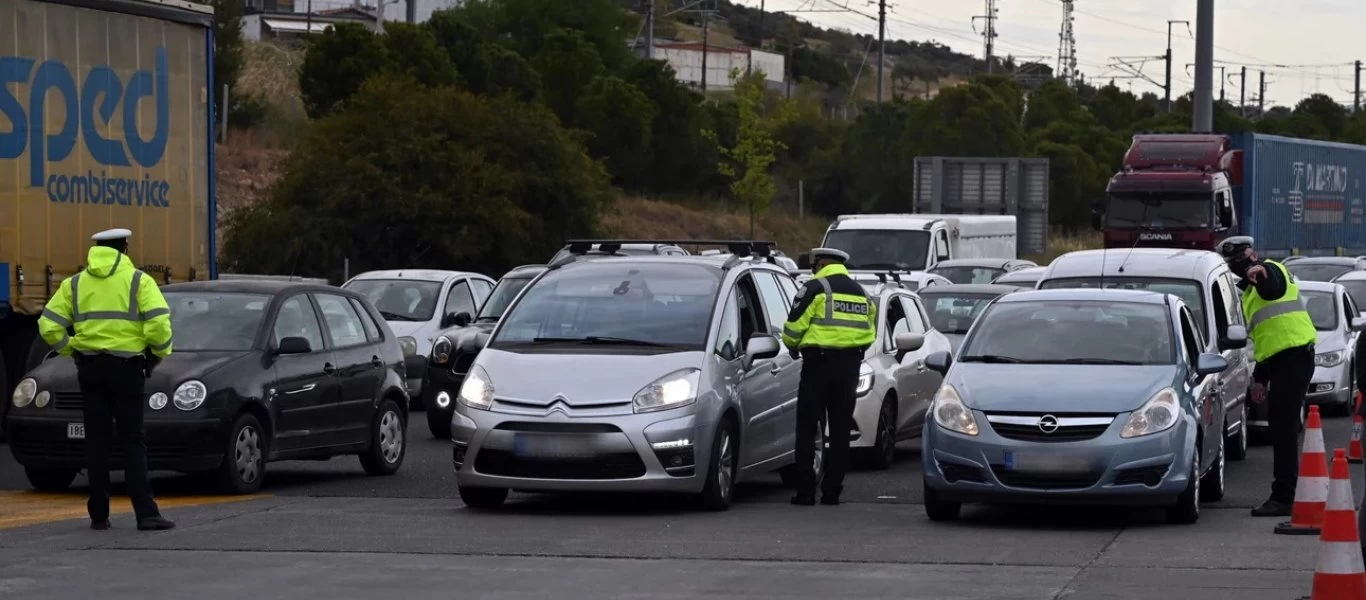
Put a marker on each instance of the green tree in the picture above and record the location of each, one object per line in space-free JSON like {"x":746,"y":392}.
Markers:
{"x":227,"y":41}
{"x":1330,"y":116}
{"x":567,"y":62}
{"x":618,"y":116}
{"x":412,"y":175}
{"x":337,"y":63}
{"x":680,"y":157}
{"x":485,"y":67}
{"x":1053,"y":101}
{"x":416,"y":52}
{"x":527,"y":26}
{"x":747,"y":162}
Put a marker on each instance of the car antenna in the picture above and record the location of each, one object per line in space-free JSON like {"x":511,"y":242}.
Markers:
{"x":1142,"y":227}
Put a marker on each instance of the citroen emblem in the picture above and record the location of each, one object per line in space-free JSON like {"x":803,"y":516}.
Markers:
{"x":1048,"y":423}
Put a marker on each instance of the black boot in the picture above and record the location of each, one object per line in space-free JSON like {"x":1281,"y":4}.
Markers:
{"x":804,"y":499}
{"x":1272,"y":508}
{"x":831,"y":497}
{"x":100,"y":525}
{"x":156,"y":523}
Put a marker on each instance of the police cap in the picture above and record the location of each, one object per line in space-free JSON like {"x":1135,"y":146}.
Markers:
{"x":112,"y":235}
{"x":1233,"y":247}
{"x":839,"y":256}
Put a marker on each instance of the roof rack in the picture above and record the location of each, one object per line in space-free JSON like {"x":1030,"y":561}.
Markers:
{"x":739,"y":249}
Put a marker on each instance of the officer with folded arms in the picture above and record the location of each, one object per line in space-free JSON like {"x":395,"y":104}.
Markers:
{"x":832,"y":324}
{"x":112,"y":319}
{"x":1283,"y":339}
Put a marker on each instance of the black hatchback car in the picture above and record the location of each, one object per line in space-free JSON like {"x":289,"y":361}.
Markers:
{"x":454,"y":349}
{"x":261,"y":371}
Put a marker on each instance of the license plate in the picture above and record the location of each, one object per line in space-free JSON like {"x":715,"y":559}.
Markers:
{"x":1045,"y":463}
{"x":545,"y":446}
{"x":75,"y":431}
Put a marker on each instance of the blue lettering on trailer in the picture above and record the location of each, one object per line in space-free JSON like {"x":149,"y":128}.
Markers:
{"x":4,"y":287}
{"x":87,"y":107}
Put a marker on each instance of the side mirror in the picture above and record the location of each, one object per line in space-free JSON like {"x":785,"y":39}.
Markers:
{"x":804,"y":261}
{"x":460,"y":319}
{"x":907,"y":342}
{"x":760,"y":347}
{"x":1359,"y":324}
{"x":939,"y":362}
{"x":1210,"y":364}
{"x":294,"y":345}
{"x":1234,"y":339}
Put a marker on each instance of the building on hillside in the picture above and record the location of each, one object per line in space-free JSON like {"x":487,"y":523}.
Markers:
{"x":686,"y":60}
{"x":285,"y":20}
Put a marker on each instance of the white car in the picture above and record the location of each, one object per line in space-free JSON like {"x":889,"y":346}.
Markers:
{"x":1355,"y":282}
{"x":1333,"y":311}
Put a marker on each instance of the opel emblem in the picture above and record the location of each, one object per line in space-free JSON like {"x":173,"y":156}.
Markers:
{"x":1048,"y":423}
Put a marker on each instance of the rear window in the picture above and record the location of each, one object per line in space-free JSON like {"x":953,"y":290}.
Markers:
{"x":969,"y":274}
{"x":955,"y":313}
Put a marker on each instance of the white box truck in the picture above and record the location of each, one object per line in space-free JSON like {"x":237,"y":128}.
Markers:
{"x":918,"y":242}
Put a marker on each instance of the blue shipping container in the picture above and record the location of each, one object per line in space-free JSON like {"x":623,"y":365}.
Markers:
{"x":1302,"y":196}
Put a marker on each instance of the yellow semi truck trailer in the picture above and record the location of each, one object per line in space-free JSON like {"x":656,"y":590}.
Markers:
{"x":106,"y":120}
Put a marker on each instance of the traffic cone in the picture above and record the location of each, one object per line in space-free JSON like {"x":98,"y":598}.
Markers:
{"x":1356,"y":407}
{"x":1354,"y":448}
{"x":1340,"y":574}
{"x":1311,"y":490}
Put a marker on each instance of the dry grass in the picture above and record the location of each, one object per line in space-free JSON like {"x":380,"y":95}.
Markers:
{"x":246,"y":170}
{"x":636,"y":217}
{"x":717,"y":35}
{"x":271,"y":73}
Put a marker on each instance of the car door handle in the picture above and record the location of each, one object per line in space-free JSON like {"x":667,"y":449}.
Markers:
{"x":303,"y":389}
{"x":775,"y":369}
{"x":919,"y":365}
{"x":329,"y":369}
{"x":375,"y":361}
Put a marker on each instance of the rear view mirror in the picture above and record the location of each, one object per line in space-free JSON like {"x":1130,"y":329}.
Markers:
{"x":907,"y":342}
{"x":1235,"y":338}
{"x":1210,"y":364}
{"x":1359,"y":324}
{"x":939,"y":362}
{"x":804,"y":261}
{"x":760,"y":347}
{"x":294,"y":345}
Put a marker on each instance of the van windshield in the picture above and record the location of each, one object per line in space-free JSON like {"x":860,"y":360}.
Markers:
{"x":881,"y":249}
{"x":1189,"y":291}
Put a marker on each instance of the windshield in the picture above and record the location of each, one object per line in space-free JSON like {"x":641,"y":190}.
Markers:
{"x":1357,"y":289}
{"x":1323,"y":309}
{"x":881,"y":248}
{"x":1187,"y":290}
{"x":502,"y":296}
{"x":208,"y":322}
{"x":1319,"y":272}
{"x":955,"y":313}
{"x":1072,"y":332}
{"x":622,"y":302}
{"x":1159,"y":211}
{"x":400,"y":299}
{"x":969,"y":274}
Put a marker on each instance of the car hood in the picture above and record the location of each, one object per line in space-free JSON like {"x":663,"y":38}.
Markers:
{"x":579,"y":379}
{"x":1058,"y":388}
{"x":1330,"y":341}
{"x":59,"y":374}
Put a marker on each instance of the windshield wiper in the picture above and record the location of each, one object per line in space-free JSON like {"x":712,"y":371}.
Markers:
{"x":388,"y":316}
{"x":990,"y":358}
{"x":599,"y":339}
{"x":1088,"y":361}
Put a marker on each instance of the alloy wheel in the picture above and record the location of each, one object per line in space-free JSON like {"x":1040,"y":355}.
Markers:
{"x":391,"y":437}
{"x":247,"y":452}
{"x":725,"y":468}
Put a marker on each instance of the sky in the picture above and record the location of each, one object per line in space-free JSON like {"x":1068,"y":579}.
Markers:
{"x":1304,"y":46}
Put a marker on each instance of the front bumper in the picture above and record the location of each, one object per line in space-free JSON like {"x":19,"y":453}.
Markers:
{"x":867,"y":410}
{"x":1150,"y":470}
{"x":1330,"y":385}
{"x":187,"y":445}
{"x":558,"y":453}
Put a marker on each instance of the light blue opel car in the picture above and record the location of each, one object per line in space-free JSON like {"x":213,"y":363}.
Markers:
{"x":1078,"y":396}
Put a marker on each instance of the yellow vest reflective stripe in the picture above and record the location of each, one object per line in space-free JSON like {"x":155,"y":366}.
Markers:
{"x":1278,"y":325}
{"x":843,"y":310}
{"x":94,"y":318}
{"x":833,"y":319}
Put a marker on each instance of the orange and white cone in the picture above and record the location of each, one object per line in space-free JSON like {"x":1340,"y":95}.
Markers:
{"x":1339,"y":574}
{"x":1311,"y":490}
{"x":1354,"y":448}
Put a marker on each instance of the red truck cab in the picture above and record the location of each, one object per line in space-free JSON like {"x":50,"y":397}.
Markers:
{"x":1174,"y":191}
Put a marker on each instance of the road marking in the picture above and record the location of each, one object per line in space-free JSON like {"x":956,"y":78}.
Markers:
{"x":18,"y":509}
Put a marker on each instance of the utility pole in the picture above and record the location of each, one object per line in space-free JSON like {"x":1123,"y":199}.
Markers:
{"x":749,"y":64}
{"x":1167,"y":87}
{"x":1356,"y":97}
{"x":410,"y":12}
{"x":1242,"y":95}
{"x":1202,"y":116}
{"x":989,"y":33}
{"x":650,"y":29}
{"x":881,"y":44}
{"x":1261,"y":94}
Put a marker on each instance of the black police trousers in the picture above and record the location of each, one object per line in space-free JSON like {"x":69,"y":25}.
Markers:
{"x":1291,"y":372}
{"x":111,"y":392}
{"x":828,"y":387}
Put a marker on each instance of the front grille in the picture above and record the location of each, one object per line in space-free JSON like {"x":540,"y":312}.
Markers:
{"x":545,"y":427}
{"x":1149,"y":476}
{"x":1066,"y":427}
{"x":1032,"y":433}
{"x":67,"y":401}
{"x":954,"y":473}
{"x":617,"y":465}
{"x":1044,"y":480}
{"x":72,"y":449}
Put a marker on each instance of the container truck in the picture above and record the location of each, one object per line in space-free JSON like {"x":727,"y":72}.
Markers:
{"x":1293,"y":196}
{"x":987,"y":186}
{"x":105,"y":121}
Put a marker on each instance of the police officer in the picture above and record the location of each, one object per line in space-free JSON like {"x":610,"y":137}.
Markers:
{"x":112,"y":319}
{"x":831,"y":325}
{"x":1283,"y":338}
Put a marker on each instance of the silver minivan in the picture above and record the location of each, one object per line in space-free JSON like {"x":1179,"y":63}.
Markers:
{"x":1204,"y":283}
{"x":639,"y":373}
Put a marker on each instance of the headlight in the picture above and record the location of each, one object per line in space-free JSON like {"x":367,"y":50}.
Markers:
{"x":190,"y":395}
{"x":443,"y":399}
{"x":950,"y":412}
{"x":865,"y":379}
{"x":1156,"y":415}
{"x":1328,"y":359}
{"x":676,"y":389}
{"x":477,"y":391}
{"x":158,"y":401}
{"x":441,"y":350}
{"x":408,"y":345}
{"x":41,"y":399}
{"x":25,"y":392}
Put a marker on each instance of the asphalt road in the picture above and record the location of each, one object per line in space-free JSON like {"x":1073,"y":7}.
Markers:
{"x":326,"y":530}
